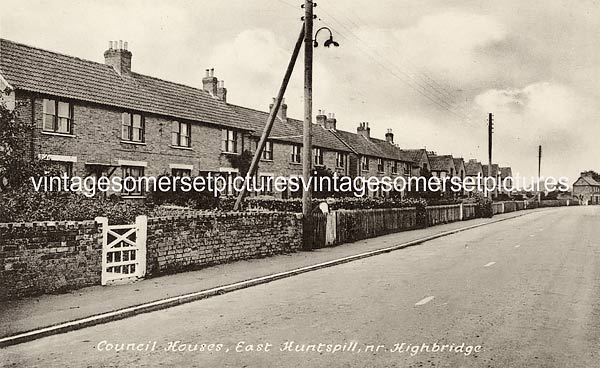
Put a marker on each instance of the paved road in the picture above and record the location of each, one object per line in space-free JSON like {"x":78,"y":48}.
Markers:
{"x":522,"y":293}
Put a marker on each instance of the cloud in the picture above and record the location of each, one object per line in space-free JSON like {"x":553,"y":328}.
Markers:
{"x":449,"y":45}
{"x":545,"y":113}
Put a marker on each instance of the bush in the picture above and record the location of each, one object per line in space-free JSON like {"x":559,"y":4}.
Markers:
{"x":27,"y":205}
{"x":484,"y":208}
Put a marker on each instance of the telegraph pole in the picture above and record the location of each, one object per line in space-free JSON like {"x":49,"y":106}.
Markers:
{"x":307,"y":131}
{"x":490,"y":131}
{"x":539,"y":171}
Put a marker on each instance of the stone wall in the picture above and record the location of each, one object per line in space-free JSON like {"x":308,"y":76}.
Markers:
{"x":181,"y":243}
{"x":48,"y":257}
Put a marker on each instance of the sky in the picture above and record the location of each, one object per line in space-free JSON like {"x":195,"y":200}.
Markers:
{"x":429,"y":70}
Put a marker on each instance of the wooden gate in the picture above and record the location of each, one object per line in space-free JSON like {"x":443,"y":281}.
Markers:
{"x":123,"y":250}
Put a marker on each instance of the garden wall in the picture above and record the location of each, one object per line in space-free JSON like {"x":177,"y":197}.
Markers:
{"x":180,"y":243}
{"x":48,"y":257}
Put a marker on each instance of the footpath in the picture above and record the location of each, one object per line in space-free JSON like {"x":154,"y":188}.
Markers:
{"x":33,"y":314}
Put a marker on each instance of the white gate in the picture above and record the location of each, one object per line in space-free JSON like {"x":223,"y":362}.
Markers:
{"x":123,"y":250}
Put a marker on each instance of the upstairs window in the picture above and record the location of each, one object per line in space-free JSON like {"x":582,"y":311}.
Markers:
{"x":267,"y":153}
{"x":395,"y":167}
{"x":364,"y":163}
{"x":229,"y":140}
{"x":180,"y":134}
{"x":340,"y":160}
{"x":380,"y":165}
{"x":132,"y":127}
{"x":58,"y":116}
{"x":318,"y":156}
{"x":296,"y":154}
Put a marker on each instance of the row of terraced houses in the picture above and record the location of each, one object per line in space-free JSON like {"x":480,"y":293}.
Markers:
{"x":104,"y":119}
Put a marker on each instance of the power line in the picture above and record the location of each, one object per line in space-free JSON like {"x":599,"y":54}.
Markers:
{"x":411,"y":83}
{"x":421,"y":89}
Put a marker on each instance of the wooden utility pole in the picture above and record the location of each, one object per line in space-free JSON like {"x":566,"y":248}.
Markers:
{"x":490,"y":131}
{"x":271,"y":119}
{"x":307,"y":131}
{"x":539,"y":171}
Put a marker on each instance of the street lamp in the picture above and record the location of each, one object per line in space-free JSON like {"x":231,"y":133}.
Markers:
{"x":327,"y":43}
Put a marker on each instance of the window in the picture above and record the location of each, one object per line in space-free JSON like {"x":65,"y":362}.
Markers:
{"x":340,"y":160}
{"x":181,"y":172}
{"x":229,"y":141}
{"x":58,"y":116}
{"x":318,"y":156}
{"x":181,"y":134}
{"x":380,"y":165}
{"x":296,"y":154}
{"x":132,"y":127}
{"x":266,"y":182}
{"x":267,"y":153}
{"x":128,"y":188}
{"x":63,"y":167}
{"x":364,"y":163}
{"x":394,"y":167}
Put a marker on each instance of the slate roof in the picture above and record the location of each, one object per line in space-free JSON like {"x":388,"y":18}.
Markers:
{"x":367,"y":147}
{"x":288,"y":131}
{"x":257,"y":119}
{"x":441,"y":163}
{"x":494,"y":170}
{"x":37,"y":70}
{"x":588,"y":181}
{"x":414,"y":155}
{"x":458,"y":163}
{"x":473,"y":168}
{"x":505,"y":172}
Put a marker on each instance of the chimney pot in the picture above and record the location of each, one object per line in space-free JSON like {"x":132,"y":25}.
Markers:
{"x":120,"y":44}
{"x":125,"y":45}
{"x":212,"y":72}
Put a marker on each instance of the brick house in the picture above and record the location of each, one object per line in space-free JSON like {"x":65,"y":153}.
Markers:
{"x":373,"y":157}
{"x":495,"y":173}
{"x":442,"y":166}
{"x":587,"y":188}
{"x":97,"y":119}
{"x":473,"y":169}
{"x":420,"y":160}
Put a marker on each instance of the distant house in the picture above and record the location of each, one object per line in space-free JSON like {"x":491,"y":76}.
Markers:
{"x":420,"y":160}
{"x":473,"y":168}
{"x":442,"y":166}
{"x":587,"y":188}
{"x":494,"y":173}
{"x":506,"y":172}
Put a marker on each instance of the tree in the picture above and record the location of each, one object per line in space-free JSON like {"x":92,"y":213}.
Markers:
{"x":17,"y":161}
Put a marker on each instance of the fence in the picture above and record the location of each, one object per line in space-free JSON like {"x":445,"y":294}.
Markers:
{"x":345,"y":226}
{"x":352,"y":225}
{"x":443,"y":214}
{"x":469,"y":211}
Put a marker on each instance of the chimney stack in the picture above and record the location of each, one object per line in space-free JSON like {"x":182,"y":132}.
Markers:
{"x":222,"y":91}
{"x":364,"y":130}
{"x":389,"y":136}
{"x":331,"y":122}
{"x":321,"y":118}
{"x":210,"y":83}
{"x":118,"y":57}
{"x":282,"y":113}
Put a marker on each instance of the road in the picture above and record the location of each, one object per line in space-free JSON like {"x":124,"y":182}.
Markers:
{"x":519,"y":293}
